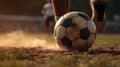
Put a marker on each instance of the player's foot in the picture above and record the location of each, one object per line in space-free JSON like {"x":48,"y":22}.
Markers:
{"x":98,"y":13}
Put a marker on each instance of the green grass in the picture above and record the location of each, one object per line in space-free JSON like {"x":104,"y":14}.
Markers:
{"x":84,"y":61}
{"x":108,"y":40}
{"x":15,"y":63}
{"x":64,"y":61}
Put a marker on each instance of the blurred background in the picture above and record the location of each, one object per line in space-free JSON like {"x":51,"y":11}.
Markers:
{"x":21,"y":24}
{"x":26,"y":15}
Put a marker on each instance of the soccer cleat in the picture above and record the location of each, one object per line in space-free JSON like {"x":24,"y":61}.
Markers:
{"x":98,"y":13}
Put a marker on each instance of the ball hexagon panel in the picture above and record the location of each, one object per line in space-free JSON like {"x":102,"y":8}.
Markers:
{"x":79,"y":44}
{"x":84,"y":33}
{"x":72,"y":32}
{"x":80,"y":22}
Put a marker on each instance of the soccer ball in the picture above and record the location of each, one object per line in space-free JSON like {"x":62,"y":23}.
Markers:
{"x":75,"y":31}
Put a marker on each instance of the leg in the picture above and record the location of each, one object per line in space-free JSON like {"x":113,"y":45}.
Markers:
{"x":98,"y":13}
{"x":51,"y":24}
{"x":60,"y":7}
{"x":47,"y":25}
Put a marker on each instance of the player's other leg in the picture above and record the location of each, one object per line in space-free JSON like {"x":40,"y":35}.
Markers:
{"x":51,"y":24}
{"x":98,"y":13}
{"x":47,"y":25}
{"x":60,"y":8}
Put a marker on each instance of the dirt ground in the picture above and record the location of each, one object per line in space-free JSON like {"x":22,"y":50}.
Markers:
{"x":43,"y":56}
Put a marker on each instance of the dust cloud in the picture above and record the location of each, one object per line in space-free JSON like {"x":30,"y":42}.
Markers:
{"x":20,"y":39}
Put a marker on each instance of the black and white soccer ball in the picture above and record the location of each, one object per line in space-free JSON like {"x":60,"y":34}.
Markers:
{"x":75,"y":31}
